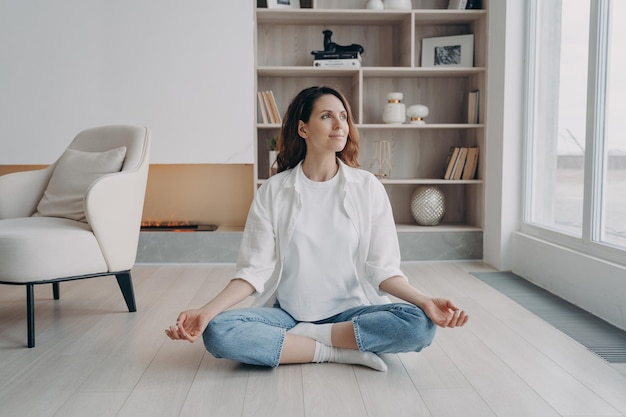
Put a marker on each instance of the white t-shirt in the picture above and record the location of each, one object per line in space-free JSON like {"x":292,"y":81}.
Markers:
{"x":319,"y":276}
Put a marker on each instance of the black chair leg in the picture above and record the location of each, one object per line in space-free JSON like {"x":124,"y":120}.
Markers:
{"x":125,"y":282}
{"x":55,"y":291}
{"x":30,"y":314}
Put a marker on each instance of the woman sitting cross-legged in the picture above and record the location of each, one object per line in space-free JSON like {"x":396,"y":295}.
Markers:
{"x":320,"y":251}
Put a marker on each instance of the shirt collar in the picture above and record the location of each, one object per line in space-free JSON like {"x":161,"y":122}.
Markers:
{"x":347,"y":175}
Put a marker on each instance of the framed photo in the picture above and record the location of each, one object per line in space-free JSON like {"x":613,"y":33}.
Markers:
{"x":450,"y":51}
{"x":283,"y":4}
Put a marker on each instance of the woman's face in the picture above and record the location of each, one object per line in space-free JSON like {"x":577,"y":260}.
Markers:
{"x":327,"y":129}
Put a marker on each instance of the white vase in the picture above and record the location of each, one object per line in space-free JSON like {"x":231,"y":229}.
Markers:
{"x":381,"y":162}
{"x":272,"y":163}
{"x":394,"y":111}
{"x":398,"y":4}
{"x":374,"y":5}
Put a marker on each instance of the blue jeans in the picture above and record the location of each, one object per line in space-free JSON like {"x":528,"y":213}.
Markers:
{"x":255,"y":335}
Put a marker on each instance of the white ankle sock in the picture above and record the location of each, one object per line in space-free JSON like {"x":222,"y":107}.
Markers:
{"x":325,"y":353}
{"x":319,"y":332}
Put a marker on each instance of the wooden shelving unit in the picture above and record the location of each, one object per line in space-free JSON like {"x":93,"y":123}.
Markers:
{"x":391,"y":62}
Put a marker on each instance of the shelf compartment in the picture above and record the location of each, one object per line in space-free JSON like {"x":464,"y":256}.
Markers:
{"x":462,"y":206}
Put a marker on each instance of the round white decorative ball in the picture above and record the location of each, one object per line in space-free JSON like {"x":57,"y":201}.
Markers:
{"x":428,"y":205}
{"x":416,"y":113}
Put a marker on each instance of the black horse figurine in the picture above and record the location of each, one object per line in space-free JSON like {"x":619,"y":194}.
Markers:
{"x":330,"y":46}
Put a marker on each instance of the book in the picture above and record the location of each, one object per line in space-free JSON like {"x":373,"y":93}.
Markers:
{"x":320,"y":55}
{"x":262,"y":107}
{"x":275,"y":108}
{"x":336,"y":63}
{"x":469,"y":172}
{"x":268,"y":106}
{"x":447,"y":161}
{"x":272,"y":110}
{"x":472,"y":106}
{"x":457,"y":4}
{"x":451,"y":162}
{"x":460,"y":164}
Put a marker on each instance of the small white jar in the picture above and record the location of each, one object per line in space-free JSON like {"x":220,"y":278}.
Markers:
{"x":398,"y":4}
{"x":374,"y":4}
{"x":394,"y":111}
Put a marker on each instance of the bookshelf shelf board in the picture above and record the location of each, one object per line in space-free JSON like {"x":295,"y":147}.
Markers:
{"x":268,"y":126}
{"x":407,"y":228}
{"x":433,"y":181}
{"x":361,"y":16}
{"x":368,"y":72}
{"x":407,"y":126}
{"x":305,"y":71}
{"x":419,"y":72}
{"x":419,"y":127}
{"x":415,"y":181}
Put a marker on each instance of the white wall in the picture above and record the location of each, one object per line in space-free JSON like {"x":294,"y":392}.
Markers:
{"x":503,"y":185}
{"x":591,"y":283}
{"x":185,"y":69}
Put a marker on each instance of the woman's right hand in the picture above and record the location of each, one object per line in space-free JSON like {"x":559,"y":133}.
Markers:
{"x":189,"y":326}
{"x":191,"y":323}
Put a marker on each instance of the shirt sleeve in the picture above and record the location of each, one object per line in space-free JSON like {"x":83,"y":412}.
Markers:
{"x":256,"y":260}
{"x":383,"y":259}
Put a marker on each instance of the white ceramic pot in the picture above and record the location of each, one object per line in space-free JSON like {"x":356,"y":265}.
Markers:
{"x":398,"y":4}
{"x":272,"y":163}
{"x":374,"y":4}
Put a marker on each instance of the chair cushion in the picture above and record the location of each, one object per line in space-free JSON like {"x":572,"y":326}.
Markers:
{"x":73,"y":174}
{"x":43,"y":248}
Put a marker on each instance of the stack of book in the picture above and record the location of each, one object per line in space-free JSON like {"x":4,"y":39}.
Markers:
{"x":349,"y":59}
{"x":461,"y":163}
{"x":267,"y":105}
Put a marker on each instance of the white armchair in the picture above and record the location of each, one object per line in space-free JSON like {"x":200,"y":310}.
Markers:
{"x":78,"y":218}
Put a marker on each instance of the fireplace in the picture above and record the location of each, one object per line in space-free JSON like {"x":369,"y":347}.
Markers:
{"x":175,"y":226}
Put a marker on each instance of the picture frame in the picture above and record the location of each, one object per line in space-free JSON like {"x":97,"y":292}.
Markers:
{"x":283,"y":4}
{"x":449,"y":51}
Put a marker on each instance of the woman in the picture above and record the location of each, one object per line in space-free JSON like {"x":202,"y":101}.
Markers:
{"x":320,"y":245}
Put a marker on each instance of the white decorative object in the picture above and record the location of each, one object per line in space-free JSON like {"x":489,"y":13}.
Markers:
{"x":272,"y":163}
{"x":428,"y":205}
{"x":381,"y":163}
{"x":374,"y":5}
{"x":394,"y":111}
{"x":398,"y":4}
{"x":416,"y":114}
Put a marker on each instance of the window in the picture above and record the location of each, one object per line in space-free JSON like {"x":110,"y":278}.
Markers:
{"x":613,"y":224}
{"x":576,"y":148}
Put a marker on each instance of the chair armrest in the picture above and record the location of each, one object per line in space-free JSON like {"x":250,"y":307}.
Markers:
{"x":113,"y":208}
{"x":20,"y":192}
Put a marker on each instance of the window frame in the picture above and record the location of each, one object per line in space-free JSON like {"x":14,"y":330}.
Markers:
{"x":594,"y":159}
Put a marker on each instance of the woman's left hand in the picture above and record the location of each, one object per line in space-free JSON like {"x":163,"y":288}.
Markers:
{"x":444,"y":313}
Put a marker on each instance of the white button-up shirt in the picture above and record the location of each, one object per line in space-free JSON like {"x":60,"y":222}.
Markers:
{"x":274,"y":213}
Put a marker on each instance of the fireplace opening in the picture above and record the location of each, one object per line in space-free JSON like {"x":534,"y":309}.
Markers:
{"x":176,"y":226}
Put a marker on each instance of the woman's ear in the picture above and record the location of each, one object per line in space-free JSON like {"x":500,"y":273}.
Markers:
{"x":302,"y":129}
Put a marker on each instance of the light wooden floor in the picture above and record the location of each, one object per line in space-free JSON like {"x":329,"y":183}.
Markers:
{"x":94,"y":359}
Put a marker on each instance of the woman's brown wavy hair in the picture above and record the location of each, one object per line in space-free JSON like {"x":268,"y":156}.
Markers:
{"x":292,"y":148}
